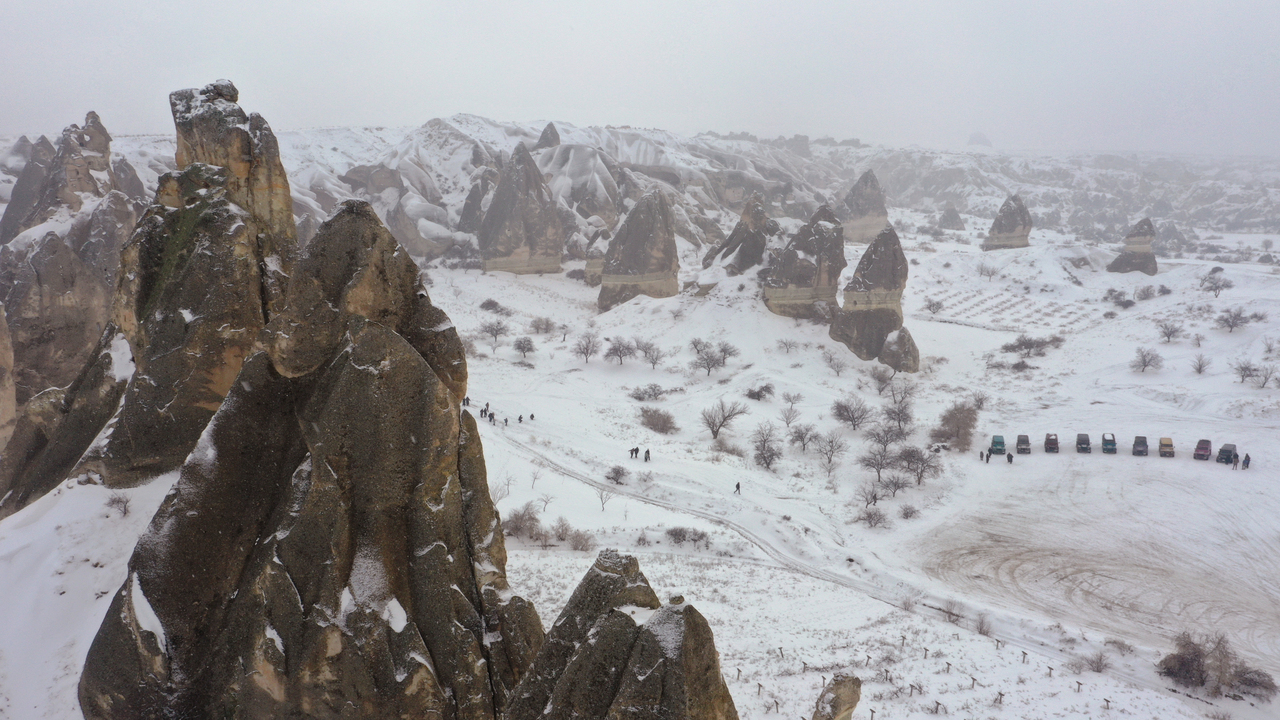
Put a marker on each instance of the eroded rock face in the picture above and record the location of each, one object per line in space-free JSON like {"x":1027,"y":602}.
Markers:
{"x":615,"y":652}
{"x":8,"y":398}
{"x":550,"y":137}
{"x":521,"y":232}
{"x":330,"y":548}
{"x":864,"y":213}
{"x":805,"y":276}
{"x":1137,"y":255}
{"x":483,"y":183}
{"x":642,"y":257}
{"x":745,"y":246}
{"x":872,"y":309}
{"x":839,"y":698}
{"x":950,"y":219}
{"x":27,"y":189}
{"x":1011,"y":228}
{"x":580,"y":176}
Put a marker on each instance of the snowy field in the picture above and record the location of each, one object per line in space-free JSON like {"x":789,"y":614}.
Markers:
{"x":1062,"y":556}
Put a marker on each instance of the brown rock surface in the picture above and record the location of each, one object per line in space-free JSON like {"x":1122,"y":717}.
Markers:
{"x":807,"y":271}
{"x":839,"y":698}
{"x":330,"y":549}
{"x":550,"y":137}
{"x":521,"y":232}
{"x":745,"y":246}
{"x":8,"y":398}
{"x":1137,"y":255}
{"x":642,"y":257}
{"x":872,"y":308}
{"x":1011,"y":228}
{"x":864,"y":213}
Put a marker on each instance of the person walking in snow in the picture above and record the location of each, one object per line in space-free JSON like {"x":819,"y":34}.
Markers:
{"x":1245,"y":465}
{"x":505,"y":421}
{"x":980,"y":456}
{"x":646,"y":456}
{"x":1010,"y":457}
{"x":530,"y":417}
{"x":988,"y":458}
{"x":520,"y":419}
{"x":1235,"y":461}
{"x":737,"y":488}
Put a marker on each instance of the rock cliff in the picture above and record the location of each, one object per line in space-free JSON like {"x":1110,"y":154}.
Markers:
{"x":330,"y":548}
{"x":802,"y":279}
{"x":1011,"y":228}
{"x":521,"y":232}
{"x":1137,"y":255}
{"x":642,"y":257}
{"x":8,"y":398}
{"x":870,"y":321}
{"x":863,"y":212}
{"x":745,"y":246}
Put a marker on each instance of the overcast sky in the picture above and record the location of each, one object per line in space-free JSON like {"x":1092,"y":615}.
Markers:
{"x":1164,"y":76}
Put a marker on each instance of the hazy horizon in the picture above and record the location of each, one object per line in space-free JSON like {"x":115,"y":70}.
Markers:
{"x":1145,"y":77}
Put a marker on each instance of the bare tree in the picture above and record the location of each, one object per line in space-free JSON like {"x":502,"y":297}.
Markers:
{"x":1232,"y":319}
{"x":987,"y":271}
{"x":1197,"y":339}
{"x":564,"y":332}
{"x":617,"y":474}
{"x":884,"y":435}
{"x":881,"y":376}
{"x":803,"y":434}
{"x":956,"y":426}
{"x":721,"y":415}
{"x":121,"y":502}
{"x":1146,"y":358}
{"x":792,"y":398}
{"x":1244,"y":369}
{"x":587,"y":347}
{"x":1266,"y":371}
{"x":877,"y":459}
{"x":902,"y":390}
{"x":920,"y":463}
{"x":869,"y":494}
{"x":851,"y":411}
{"x":545,"y":499}
{"x":619,"y":350}
{"x":834,"y":362}
{"x":895,"y":483}
{"x":725,"y":351}
{"x":765,"y":443}
{"x":1215,"y":284}
{"x":787,"y":345}
{"x":900,"y":414}
{"x":979,"y":399}
{"x":1170,"y":330}
{"x":524,"y":346}
{"x":933,"y":306}
{"x":652,"y":354}
{"x":1201,"y":363}
{"x":830,"y":446}
{"x":706,"y":361}
{"x":873,"y":517}
{"x":605,"y":495}
{"x":495,"y":329}
{"x":789,"y":415}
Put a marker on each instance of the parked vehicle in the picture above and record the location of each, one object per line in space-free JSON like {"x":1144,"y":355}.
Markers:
{"x":1051,"y":442}
{"x":997,"y":445}
{"x":1109,"y":443}
{"x":1226,"y":453}
{"x":1024,"y":445}
{"x":1082,"y":443}
{"x":1140,"y":445}
{"x":1166,"y":447}
{"x":1203,"y":450}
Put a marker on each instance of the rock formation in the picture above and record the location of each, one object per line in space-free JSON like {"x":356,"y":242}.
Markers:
{"x":745,"y":246}
{"x":1137,"y":255}
{"x":521,"y":232}
{"x":950,"y":219}
{"x":194,"y":295}
{"x":580,"y":176}
{"x":802,"y":280}
{"x":8,"y":399}
{"x":870,"y":321}
{"x":550,"y":138}
{"x":642,"y":257}
{"x":864,"y":214}
{"x":1011,"y":228}
{"x":330,"y":548}
{"x":483,"y":182}
{"x":616,"y":652}
{"x":28,"y":187}
{"x":839,"y":698}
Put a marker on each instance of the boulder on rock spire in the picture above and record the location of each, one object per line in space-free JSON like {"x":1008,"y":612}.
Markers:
{"x":803,"y":279}
{"x":870,"y":320}
{"x":863,"y":213}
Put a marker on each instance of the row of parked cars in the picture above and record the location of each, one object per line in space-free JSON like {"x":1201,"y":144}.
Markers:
{"x":1203,"y":451}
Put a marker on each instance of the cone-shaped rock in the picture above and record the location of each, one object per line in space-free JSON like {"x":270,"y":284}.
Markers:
{"x":483,"y":182}
{"x":330,"y":548}
{"x":614,"y":653}
{"x":27,"y":189}
{"x":1011,"y":228}
{"x":642,"y":257}
{"x":864,"y":213}
{"x":807,"y":272}
{"x":745,"y":246}
{"x":1137,"y":255}
{"x":521,"y":231}
{"x":950,"y":219}
{"x":839,"y":698}
{"x":872,"y":309}
{"x":550,"y":137}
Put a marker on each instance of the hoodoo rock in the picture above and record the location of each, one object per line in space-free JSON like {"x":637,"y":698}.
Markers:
{"x":616,"y":652}
{"x":483,"y":182}
{"x":839,"y":698}
{"x":642,"y":257}
{"x":950,"y":219}
{"x":330,"y":548}
{"x":1011,"y":228}
{"x":28,"y":187}
{"x":1137,"y":255}
{"x":864,"y":214}
{"x":745,"y":246}
{"x":549,"y":138}
{"x":521,"y":232}
{"x":870,"y":321}
{"x":803,"y":279}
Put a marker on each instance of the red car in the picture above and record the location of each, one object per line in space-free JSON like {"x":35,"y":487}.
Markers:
{"x":1204,"y":450}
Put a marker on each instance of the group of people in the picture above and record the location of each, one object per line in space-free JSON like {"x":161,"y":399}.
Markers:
{"x":986,"y":456}
{"x":486,"y":413}
{"x":635,"y":451}
{"x":1237,"y":463}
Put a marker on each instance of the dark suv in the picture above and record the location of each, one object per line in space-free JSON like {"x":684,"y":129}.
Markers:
{"x":1051,"y":442}
{"x":1082,"y":443}
{"x":1140,"y":445}
{"x":1227,"y":453}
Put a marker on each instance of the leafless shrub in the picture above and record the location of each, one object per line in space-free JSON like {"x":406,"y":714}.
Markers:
{"x":803,"y":435}
{"x":1121,"y":646}
{"x":659,"y":421}
{"x":835,"y":363}
{"x":1244,"y":369}
{"x":1201,"y":363}
{"x":561,"y":529}
{"x":830,"y":446}
{"x":681,"y":535}
{"x":1209,"y":661}
{"x":728,"y":448}
{"x":951,"y":611}
{"x":582,"y":541}
{"x":523,"y":521}
{"x":604,"y":495}
{"x":869,"y":494}
{"x":1145,"y":358}
{"x":885,"y":435}
{"x":542,"y":325}
{"x":851,"y":411}
{"x":1232,"y":319}
{"x":789,"y":415}
{"x":1215,"y":283}
{"x":1098,"y":662}
{"x":873,"y":517}
{"x":787,"y":345}
{"x":617,"y":474}
{"x":620,"y":350}
{"x":906,"y":512}
{"x":881,"y":376}
{"x":908,"y":603}
{"x":119,"y":501}
{"x":587,"y":347}
{"x":1266,"y":371}
{"x":982,"y":625}
{"x":1146,"y":292}
{"x":652,"y":391}
{"x":920,"y":463}
{"x":766,"y":443}
{"x":933,"y":306}
{"x":1170,"y":330}
{"x":955,"y":427}
{"x":764,"y":392}
{"x":1197,"y":339}
{"x":987,"y":271}
{"x":895,"y":483}
{"x":495,"y":329}
{"x":652,"y":354}
{"x":721,"y":415}
{"x":978,"y":399}
{"x":792,"y":398}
